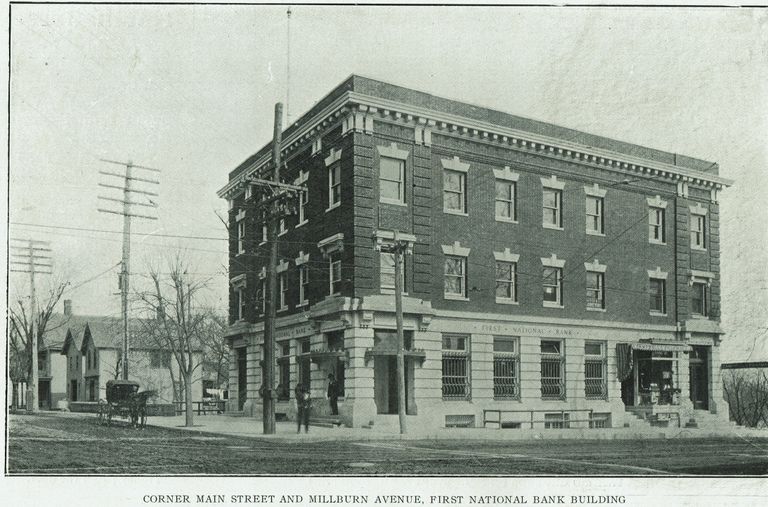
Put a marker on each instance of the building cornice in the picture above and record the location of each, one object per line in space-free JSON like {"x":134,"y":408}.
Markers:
{"x":379,"y":108}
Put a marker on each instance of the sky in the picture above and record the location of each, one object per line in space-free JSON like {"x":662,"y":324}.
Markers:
{"x":190,"y":90}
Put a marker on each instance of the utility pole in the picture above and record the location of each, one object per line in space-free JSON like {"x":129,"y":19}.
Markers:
{"x":31,"y":264}
{"x":127,"y":212}
{"x":273,"y":208}
{"x":398,"y":248}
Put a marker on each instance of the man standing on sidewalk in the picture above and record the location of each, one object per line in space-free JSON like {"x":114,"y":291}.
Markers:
{"x":303,"y":402}
{"x":333,"y":394}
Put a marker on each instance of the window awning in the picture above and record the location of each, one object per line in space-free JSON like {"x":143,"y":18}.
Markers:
{"x":661,"y":347}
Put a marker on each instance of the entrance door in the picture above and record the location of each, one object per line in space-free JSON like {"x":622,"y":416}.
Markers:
{"x":242,"y":379}
{"x":73,"y":390}
{"x":385,"y":384}
{"x":44,"y":394}
{"x":699,"y":380}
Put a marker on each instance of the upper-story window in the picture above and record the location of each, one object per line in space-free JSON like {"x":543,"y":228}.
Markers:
{"x":552,"y":281}
{"x":159,"y":359}
{"x":303,"y":197}
{"x":595,"y":290}
{"x":282,"y":284}
{"x":303,"y":284}
{"x":552,"y":202}
{"x":333,"y":163}
{"x":657,"y":220}
{"x":455,"y":271}
{"x":699,"y":299}
{"x":334,"y":266}
{"x":264,"y":233}
{"x":506,"y":194}
{"x":698,"y":227}
{"x":595,"y":209}
{"x":657,"y":291}
{"x":392,"y":180}
{"x":282,"y":229}
{"x":387,"y":272}
{"x":506,"y":276}
{"x":455,"y":186}
{"x":240,"y":296}
{"x":241,"y":237}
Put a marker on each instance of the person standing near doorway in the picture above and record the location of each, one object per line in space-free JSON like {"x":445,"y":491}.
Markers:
{"x":303,"y":401}
{"x":333,"y":394}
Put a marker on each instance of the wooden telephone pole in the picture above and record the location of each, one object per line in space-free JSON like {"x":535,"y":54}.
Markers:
{"x":32,"y":262}
{"x":398,"y":248}
{"x":127,"y":212}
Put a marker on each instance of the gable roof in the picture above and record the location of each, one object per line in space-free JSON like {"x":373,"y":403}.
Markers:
{"x":107,"y":333}
{"x":74,"y":337}
{"x":58,"y":327}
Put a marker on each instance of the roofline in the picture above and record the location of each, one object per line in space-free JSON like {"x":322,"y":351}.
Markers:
{"x":370,"y":101}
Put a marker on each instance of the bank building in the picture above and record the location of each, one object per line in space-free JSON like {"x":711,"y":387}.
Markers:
{"x":556,"y":279}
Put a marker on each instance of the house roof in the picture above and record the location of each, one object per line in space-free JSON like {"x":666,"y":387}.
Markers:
{"x":107,"y":333}
{"x":57,"y":329}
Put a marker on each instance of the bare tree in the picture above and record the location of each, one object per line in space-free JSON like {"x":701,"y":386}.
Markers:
{"x":746,"y":391}
{"x":177,"y":325}
{"x":20,"y":333}
{"x":215,"y":348}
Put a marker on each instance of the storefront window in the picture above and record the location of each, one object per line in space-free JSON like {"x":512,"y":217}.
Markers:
{"x":657,"y":378}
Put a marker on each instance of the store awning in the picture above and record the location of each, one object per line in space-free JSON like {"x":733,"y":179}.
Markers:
{"x":661,"y":347}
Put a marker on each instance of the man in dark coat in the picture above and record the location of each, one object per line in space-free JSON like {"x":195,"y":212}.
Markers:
{"x":303,"y":401}
{"x":333,"y":394}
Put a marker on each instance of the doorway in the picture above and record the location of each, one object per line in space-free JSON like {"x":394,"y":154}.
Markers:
{"x":73,"y":390}
{"x":242,"y":379}
{"x":698,"y":376}
{"x":44,"y":394}
{"x":385,"y":384}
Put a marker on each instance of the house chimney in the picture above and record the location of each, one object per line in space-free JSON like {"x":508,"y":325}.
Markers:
{"x":68,"y":307}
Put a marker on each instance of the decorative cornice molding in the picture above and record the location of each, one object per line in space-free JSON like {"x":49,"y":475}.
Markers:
{"x":595,"y":266}
{"x":553,"y":262}
{"x":552,"y":182}
{"x":506,"y":174}
{"x":657,"y":273}
{"x":333,"y":156}
{"x":454,"y":164}
{"x":392,"y":151}
{"x":282,"y":266}
{"x":303,"y":258}
{"x":595,"y":190}
{"x":456,"y":249}
{"x":698,"y":209}
{"x":506,"y":256}
{"x":656,"y":202}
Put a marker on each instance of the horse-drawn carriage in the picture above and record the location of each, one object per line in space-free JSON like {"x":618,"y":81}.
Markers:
{"x":124,"y":400}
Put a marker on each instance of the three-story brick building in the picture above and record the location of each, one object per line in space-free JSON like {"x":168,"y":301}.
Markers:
{"x":557,"y":278}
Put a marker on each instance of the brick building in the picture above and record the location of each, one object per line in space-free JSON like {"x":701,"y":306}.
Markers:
{"x":557,"y":278}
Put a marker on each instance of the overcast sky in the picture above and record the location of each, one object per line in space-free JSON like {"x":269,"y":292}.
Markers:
{"x":191,"y":90}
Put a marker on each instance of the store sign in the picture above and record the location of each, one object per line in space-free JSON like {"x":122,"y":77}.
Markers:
{"x":294,"y":332}
{"x":531,"y":330}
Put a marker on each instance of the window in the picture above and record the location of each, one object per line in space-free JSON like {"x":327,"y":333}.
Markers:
{"x":241,"y":237}
{"x":658,"y":295}
{"x":391,"y":180}
{"x":506,"y":281}
{"x":506,"y":198}
{"x":699,"y":299}
{"x":552,"y":370}
{"x":334,"y":264}
{"x":303,"y":361}
{"x":282,"y":229}
{"x":261,"y":300}
{"x":283,"y":291}
{"x":335,"y":342}
{"x":334,"y":185}
{"x":595,"y":384}
{"x":303,"y":284}
{"x":387,"y":272}
{"x":456,"y":385}
{"x":240,"y":297}
{"x":552,"y":208}
{"x":553,"y":286}
{"x":594,"y":215}
{"x":595,"y":290}
{"x":264,"y":233}
{"x":159,"y":359}
{"x":698,"y":234}
{"x":455,"y":276}
{"x":303,"y":200}
{"x":454,"y":191}
{"x":656,"y":225}
{"x":506,"y":385}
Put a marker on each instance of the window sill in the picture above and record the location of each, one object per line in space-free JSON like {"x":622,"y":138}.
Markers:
{"x":553,"y":227}
{"x":304,"y":222}
{"x":551,"y":304}
{"x":393,"y":202}
{"x":595,"y":233}
{"x":238,"y":254}
{"x":698,"y":248}
{"x":657,"y":314}
{"x":456,"y":212}
{"x":656,"y":242}
{"x":596,"y":309}
{"x":505,"y":301}
{"x":391,"y":291}
{"x":455,"y":297}
{"x":699,"y":316}
{"x":280,"y":234}
{"x":262,"y":243}
{"x":303,"y":304}
{"x":284,"y":309}
{"x":506,"y":220}
{"x":333,"y":206}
